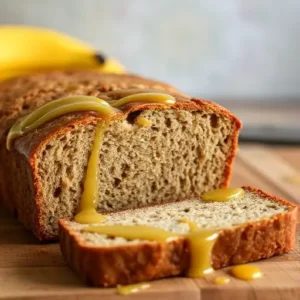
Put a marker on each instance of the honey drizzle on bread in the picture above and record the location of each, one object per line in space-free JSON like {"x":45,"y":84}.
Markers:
{"x":89,"y":199}
{"x":66,"y":105}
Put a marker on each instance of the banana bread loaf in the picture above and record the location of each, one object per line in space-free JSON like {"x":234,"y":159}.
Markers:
{"x":186,"y":148}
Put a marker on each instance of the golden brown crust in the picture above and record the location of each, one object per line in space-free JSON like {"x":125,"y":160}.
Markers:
{"x":123,"y":265}
{"x":147,"y":261}
{"x":22,"y":95}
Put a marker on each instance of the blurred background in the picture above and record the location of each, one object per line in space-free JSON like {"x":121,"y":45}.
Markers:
{"x":242,"y":54}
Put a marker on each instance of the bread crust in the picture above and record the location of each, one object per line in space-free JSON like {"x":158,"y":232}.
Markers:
{"x":27,"y":147}
{"x":128,"y":264}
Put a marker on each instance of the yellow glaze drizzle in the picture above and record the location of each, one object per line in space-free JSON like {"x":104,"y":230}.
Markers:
{"x":143,"y":122}
{"x":63,"y":106}
{"x":132,"y":288}
{"x":89,"y":199}
{"x":200,"y":242}
{"x":223,"y":195}
{"x":220,"y":280}
{"x":56,"y":109}
{"x":193,"y":226}
{"x":145,"y":97}
{"x":246,"y":272}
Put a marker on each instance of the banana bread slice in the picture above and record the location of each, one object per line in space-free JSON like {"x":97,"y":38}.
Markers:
{"x":252,"y":227}
{"x":186,"y":148}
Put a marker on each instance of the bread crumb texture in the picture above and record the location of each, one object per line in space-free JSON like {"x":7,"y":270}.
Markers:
{"x":180,"y":156}
{"x":219,"y":215}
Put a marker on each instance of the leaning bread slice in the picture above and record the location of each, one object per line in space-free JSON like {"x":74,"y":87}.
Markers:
{"x":251,"y":227}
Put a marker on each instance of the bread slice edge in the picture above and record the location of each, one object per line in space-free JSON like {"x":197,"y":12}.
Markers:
{"x":110,"y":266}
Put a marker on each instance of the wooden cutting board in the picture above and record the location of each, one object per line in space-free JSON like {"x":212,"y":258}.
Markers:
{"x":29,"y":270}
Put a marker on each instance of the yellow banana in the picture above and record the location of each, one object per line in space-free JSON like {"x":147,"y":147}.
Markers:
{"x":25,"y":50}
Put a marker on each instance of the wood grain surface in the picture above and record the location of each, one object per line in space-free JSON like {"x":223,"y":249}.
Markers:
{"x":30,"y":270}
